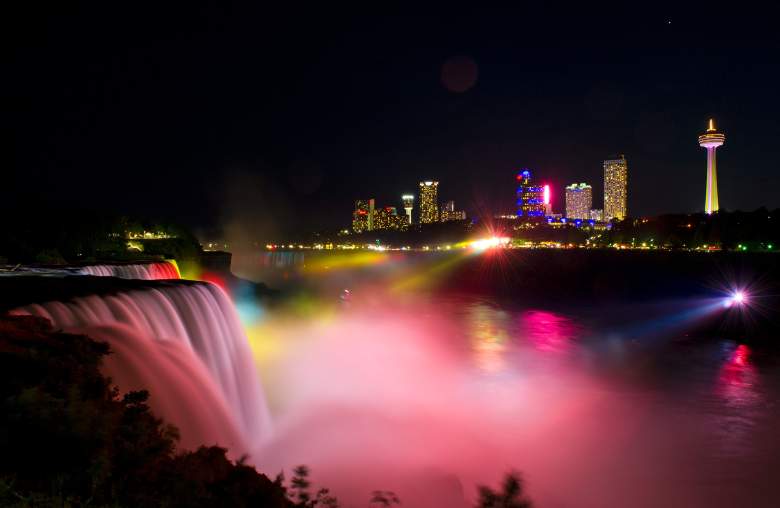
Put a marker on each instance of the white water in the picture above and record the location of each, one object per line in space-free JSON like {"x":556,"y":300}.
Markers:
{"x":185,"y":344}
{"x":144,"y":271}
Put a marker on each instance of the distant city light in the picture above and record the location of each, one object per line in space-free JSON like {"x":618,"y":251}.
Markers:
{"x":489,"y":243}
{"x":546,"y":194}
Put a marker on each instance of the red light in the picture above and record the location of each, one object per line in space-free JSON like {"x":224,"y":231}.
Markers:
{"x":546,"y":194}
{"x":215,"y":279}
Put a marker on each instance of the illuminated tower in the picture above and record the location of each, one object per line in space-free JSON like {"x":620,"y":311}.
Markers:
{"x":429,"y":207}
{"x":711,"y":140}
{"x":579,"y":200}
{"x":547,"y":201}
{"x":530,"y":197}
{"x":615,"y":188}
{"x":363,"y":216}
{"x":408,"y":200}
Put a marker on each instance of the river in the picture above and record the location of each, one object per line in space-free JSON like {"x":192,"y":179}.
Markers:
{"x":430,"y":393}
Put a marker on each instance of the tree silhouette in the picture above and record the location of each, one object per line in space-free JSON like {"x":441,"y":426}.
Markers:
{"x":511,"y":494}
{"x":383,"y":498}
{"x":300,"y":485}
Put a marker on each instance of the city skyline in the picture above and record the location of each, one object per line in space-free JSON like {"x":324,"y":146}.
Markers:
{"x":534,"y":198}
{"x":242,"y":125}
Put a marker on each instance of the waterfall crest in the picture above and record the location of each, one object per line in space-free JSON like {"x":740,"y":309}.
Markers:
{"x":185,"y":343}
{"x":144,"y":271}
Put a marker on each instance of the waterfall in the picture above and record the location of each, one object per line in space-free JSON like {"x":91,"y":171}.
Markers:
{"x":281,"y":259}
{"x":185,"y":344}
{"x":144,"y":271}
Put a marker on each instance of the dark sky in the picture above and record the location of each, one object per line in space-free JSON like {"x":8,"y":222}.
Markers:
{"x":203,"y":114}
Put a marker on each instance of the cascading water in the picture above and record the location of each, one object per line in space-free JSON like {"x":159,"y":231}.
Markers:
{"x":184,"y":343}
{"x":144,"y":271}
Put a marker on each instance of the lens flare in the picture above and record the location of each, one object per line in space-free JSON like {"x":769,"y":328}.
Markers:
{"x":489,"y":243}
{"x":738,"y":298}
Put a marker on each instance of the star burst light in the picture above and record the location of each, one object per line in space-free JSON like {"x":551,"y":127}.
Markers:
{"x":736,"y":299}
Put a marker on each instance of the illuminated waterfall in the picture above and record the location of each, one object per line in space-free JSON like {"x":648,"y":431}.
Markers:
{"x":185,"y":344}
{"x":145,"y":271}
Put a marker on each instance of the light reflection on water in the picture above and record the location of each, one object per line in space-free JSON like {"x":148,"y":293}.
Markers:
{"x":594,"y":414}
{"x":711,"y":387}
{"x":488,"y":330}
{"x":495,"y":334}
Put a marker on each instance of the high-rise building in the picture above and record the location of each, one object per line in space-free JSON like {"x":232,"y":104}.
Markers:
{"x":547,"y":200}
{"x":615,"y":188}
{"x":408,"y":200}
{"x":579,"y":200}
{"x":711,"y":140}
{"x":387,"y":218}
{"x":597,"y":214}
{"x":448,"y":212}
{"x":363,"y":216}
{"x":530,"y":197}
{"x":447,"y":215}
{"x":429,"y":205}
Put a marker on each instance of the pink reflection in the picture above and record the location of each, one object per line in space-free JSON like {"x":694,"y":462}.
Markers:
{"x":488,"y":334}
{"x":737,"y":379}
{"x":548,"y":331}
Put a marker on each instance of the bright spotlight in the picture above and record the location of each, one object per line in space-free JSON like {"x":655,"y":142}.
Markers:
{"x":489,"y":243}
{"x":737,"y":298}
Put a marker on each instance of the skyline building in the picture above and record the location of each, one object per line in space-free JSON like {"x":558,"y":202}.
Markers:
{"x":616,"y":188}
{"x":408,"y":201}
{"x":597,"y":215}
{"x":387,"y":218}
{"x":530,"y":197}
{"x":363,"y":216}
{"x":546,"y":197}
{"x":448,"y":212}
{"x":429,"y":207}
{"x":579,"y":201}
{"x":711,"y":140}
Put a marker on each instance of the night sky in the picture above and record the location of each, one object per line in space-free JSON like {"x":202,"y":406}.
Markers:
{"x":212,"y":115}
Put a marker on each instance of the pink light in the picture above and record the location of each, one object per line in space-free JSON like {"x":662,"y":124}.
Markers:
{"x":546,"y":194}
{"x":737,"y":298}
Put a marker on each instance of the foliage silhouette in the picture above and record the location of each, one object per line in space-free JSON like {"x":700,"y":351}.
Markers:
{"x":511,"y":494}
{"x":100,"y":448}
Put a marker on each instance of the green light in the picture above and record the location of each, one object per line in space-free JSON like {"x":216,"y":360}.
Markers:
{"x":769,"y":246}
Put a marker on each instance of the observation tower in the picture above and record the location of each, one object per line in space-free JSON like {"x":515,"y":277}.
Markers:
{"x":408,"y":200}
{"x":711,"y":140}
